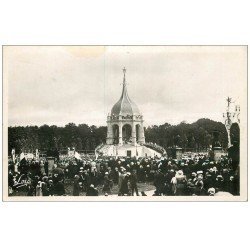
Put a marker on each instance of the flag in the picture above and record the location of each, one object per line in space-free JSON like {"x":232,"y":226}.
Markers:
{"x":77,"y":156}
{"x":22,"y":156}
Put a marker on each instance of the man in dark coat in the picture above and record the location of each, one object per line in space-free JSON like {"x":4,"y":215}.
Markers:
{"x":133,"y":183}
{"x":124,"y":185}
{"x":106,"y":184}
{"x":51,"y":188}
{"x":59,"y":188}
{"x":159,"y":182}
{"x":116,"y":175}
{"x":76,"y":187}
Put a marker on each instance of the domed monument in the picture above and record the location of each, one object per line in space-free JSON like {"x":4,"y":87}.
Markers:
{"x":125,"y":123}
{"x":125,"y":131}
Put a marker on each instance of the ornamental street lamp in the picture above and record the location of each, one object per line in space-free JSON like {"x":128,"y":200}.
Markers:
{"x":231,"y":117}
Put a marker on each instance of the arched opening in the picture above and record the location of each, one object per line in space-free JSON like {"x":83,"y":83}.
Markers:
{"x":235,"y":134}
{"x":115,"y":128}
{"x":126,"y":133}
{"x":137,"y":129}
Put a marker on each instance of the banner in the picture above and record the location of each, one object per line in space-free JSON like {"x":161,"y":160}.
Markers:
{"x":77,"y":156}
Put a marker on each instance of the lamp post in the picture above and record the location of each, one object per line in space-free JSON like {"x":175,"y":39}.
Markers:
{"x":230,"y":117}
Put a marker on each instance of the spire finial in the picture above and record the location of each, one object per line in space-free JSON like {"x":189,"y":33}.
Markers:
{"x":229,"y":101}
{"x":124,"y":75}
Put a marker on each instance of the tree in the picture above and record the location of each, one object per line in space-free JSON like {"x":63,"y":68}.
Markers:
{"x":85,"y":137}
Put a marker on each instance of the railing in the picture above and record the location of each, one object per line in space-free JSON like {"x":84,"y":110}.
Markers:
{"x":98,"y":148}
{"x":155,"y":147}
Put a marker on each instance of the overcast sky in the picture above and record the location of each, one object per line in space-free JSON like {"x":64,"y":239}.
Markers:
{"x":60,"y":84}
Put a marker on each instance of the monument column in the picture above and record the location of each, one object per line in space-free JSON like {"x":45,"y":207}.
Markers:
{"x":133,"y":134}
{"x":229,"y":144}
{"x":120,"y":133}
{"x":141,"y":137}
{"x":110,"y":137}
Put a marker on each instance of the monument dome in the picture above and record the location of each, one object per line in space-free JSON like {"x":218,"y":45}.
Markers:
{"x":125,"y":106}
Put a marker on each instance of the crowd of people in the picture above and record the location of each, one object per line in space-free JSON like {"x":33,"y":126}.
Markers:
{"x":124,"y":176}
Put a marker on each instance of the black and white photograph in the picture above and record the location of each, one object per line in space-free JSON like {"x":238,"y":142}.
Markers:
{"x":124,"y":124}
{"x":117,"y":123}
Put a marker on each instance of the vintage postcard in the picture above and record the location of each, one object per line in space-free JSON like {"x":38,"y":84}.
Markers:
{"x":125,"y":123}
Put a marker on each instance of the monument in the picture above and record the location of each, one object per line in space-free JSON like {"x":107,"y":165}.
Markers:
{"x":125,"y":131}
{"x":177,"y":149}
{"x":231,"y":117}
{"x":125,"y":123}
{"x":216,"y":146}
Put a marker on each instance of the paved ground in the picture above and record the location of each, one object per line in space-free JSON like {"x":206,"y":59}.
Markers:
{"x":148,"y":188}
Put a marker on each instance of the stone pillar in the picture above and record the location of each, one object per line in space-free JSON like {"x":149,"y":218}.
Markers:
{"x":217,"y":149}
{"x":133,"y":134}
{"x":178,"y":154}
{"x":228,"y":137}
{"x":110,"y":136}
{"x":141,"y":137}
{"x":217,"y":152}
{"x":51,"y":162}
{"x":120,"y":133}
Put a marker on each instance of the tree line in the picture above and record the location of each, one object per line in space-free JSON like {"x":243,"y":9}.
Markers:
{"x":196,"y":136}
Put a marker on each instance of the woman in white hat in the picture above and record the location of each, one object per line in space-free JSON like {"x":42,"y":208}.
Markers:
{"x":181,"y":183}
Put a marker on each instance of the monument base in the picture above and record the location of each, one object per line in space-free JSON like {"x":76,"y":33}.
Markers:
{"x":177,"y":153}
{"x":128,"y":150}
{"x":217,"y":153}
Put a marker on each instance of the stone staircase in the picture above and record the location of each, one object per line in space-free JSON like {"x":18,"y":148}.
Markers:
{"x":103,"y":149}
{"x":155,"y":147}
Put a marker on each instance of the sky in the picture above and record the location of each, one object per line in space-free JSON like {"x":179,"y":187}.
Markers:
{"x":57,"y":85}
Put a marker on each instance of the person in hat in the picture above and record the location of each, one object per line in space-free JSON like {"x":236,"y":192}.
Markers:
{"x":219,"y":184}
{"x":45,"y":189}
{"x":122,"y":174}
{"x":208,"y":181}
{"x":199,"y":186}
{"x":124,"y":190}
{"x":232,"y":185}
{"x":133,"y":183}
{"x":211,"y":191}
{"x":76,"y":187}
{"x":116,"y":175}
{"x":181,"y":183}
{"x":191,"y":184}
{"x":159,"y":181}
{"x":39,"y":189}
{"x":51,"y":187}
{"x":106,"y":184}
{"x":226,"y":176}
